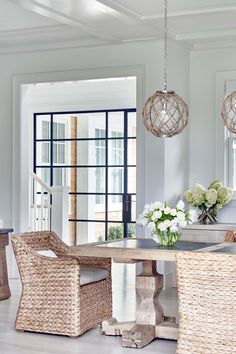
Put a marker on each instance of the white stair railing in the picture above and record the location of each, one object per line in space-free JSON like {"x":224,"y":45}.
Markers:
{"x":49,"y":207}
{"x":40,"y":204}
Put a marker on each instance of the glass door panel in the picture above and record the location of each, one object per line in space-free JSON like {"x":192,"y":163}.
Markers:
{"x":94,"y":153}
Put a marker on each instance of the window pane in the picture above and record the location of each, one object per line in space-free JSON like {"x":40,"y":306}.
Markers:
{"x":55,"y":148}
{"x":100,"y":179}
{"x":116,"y":152}
{"x":86,"y":208}
{"x":43,"y":127}
{"x":61,"y":127}
{"x":59,"y":153}
{"x":131,"y":179}
{"x":90,"y":232}
{"x":61,"y":176}
{"x":115,"y":208}
{"x":91,"y":152}
{"x":43,"y":153}
{"x":131,"y":152}
{"x":131,"y":124}
{"x":131,"y":230}
{"x":44,"y":174}
{"x":116,"y":123}
{"x":100,"y":133}
{"x":85,"y":181}
{"x":116,"y":179}
{"x":115,"y":231}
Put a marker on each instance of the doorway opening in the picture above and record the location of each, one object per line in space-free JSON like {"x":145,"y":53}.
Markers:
{"x":90,"y":146}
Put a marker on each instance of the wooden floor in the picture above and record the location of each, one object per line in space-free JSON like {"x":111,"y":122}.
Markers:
{"x":92,"y":342}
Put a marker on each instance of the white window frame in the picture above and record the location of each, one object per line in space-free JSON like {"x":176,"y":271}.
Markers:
{"x":225,"y":83}
{"x":231,"y":140}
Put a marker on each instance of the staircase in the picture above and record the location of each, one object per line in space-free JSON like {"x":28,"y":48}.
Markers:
{"x":40,"y":205}
{"x":49,"y":207}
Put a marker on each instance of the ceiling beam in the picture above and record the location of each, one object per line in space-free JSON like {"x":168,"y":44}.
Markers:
{"x":120,"y":8}
{"x":54,"y":14}
{"x":191,"y":12}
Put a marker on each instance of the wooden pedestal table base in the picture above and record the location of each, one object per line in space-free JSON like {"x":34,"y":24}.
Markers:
{"x":150,"y":320}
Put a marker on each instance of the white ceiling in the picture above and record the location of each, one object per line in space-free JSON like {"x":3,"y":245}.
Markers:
{"x":35,"y":24}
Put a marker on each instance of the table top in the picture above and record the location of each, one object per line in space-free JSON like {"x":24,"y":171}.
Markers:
{"x":5,"y":231}
{"x":140,"y":249}
{"x":227,"y":248}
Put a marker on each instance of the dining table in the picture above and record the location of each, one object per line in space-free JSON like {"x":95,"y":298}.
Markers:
{"x":151,"y":322}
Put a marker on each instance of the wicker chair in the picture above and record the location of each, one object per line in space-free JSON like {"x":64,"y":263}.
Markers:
{"x":207,"y":297}
{"x":53,"y":299}
{"x":230,"y":236}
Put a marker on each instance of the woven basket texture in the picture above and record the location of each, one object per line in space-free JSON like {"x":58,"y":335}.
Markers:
{"x":207,"y":303}
{"x":52,"y":299}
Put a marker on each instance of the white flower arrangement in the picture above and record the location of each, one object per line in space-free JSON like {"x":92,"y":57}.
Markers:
{"x":209,"y":200}
{"x":163,"y":220}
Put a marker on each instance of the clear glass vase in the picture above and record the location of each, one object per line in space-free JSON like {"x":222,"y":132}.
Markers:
{"x":166,"y":238}
{"x":208,"y":216}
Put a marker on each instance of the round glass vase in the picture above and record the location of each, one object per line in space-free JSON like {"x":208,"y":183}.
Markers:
{"x":166,"y":238}
{"x":208,"y":216}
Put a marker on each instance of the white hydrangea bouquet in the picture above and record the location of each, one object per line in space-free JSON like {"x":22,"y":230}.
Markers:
{"x":208,"y":200}
{"x":164,"y":222}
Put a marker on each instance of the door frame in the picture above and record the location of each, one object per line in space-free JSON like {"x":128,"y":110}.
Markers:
{"x":22,"y":134}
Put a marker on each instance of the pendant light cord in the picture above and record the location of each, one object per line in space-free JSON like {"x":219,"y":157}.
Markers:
{"x":165,"y":46}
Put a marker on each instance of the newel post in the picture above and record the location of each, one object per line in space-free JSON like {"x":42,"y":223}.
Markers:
{"x":60,"y":211}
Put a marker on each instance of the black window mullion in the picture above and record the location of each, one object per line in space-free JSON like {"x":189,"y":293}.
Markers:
{"x":51,"y":150}
{"x":34,"y":151}
{"x":125,"y":173}
{"x":106,"y":179}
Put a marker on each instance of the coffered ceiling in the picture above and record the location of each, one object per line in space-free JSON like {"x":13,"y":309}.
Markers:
{"x":35,"y":24}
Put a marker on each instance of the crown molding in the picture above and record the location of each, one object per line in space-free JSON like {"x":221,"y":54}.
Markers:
{"x":35,"y":47}
{"x":207,"y":35}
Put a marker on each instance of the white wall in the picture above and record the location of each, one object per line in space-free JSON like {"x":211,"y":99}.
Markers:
{"x":146,"y":54}
{"x":177,"y":148}
{"x":154,"y":155}
{"x":208,"y":71}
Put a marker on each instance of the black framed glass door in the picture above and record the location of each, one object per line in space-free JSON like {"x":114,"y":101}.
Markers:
{"x":94,"y":152}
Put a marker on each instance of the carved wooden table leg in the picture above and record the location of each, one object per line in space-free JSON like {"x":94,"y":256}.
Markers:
{"x":4,"y":287}
{"x":150,"y":320}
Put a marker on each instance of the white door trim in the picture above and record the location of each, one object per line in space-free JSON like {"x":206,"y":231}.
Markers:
{"x":20,"y":126}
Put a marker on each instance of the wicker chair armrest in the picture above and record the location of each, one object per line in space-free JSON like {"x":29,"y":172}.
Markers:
{"x":37,"y":268}
{"x":96,"y":262}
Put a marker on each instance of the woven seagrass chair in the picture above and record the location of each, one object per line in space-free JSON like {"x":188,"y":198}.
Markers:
{"x":207,"y":296}
{"x":230,"y":236}
{"x":64,"y":294}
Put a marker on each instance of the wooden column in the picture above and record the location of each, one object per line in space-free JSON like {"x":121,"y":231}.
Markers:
{"x":150,"y":320}
{"x":73,"y":181}
{"x":4,"y":287}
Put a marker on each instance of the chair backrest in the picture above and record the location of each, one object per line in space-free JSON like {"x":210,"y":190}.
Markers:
{"x":230,"y":236}
{"x":44,"y":241}
{"x":27,"y":244}
{"x":207,"y":297}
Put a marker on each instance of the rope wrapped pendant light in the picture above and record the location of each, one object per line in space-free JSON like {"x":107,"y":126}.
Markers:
{"x":228,"y":112}
{"x":165,"y":114}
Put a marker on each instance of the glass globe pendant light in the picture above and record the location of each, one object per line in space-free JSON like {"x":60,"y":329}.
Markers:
{"x":165,"y":114}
